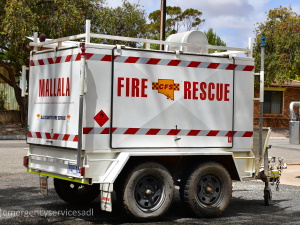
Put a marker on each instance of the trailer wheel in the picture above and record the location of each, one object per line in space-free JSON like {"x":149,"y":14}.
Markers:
{"x":147,"y":191}
{"x":207,"y":190}
{"x":75,"y":193}
{"x":267,"y":197}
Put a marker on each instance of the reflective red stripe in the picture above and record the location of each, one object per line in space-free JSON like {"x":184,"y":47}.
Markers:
{"x":248,"y":68}
{"x":107,"y":129}
{"x":48,"y":135}
{"x":194,"y":64}
{"x":75,"y":138}
{"x":131,"y":130}
{"x":58,"y":59}
{"x":231,"y":67}
{"x":87,"y":56}
{"x":50,"y":61}
{"x":153,"y":131}
{"x":173,"y":132}
{"x":134,"y":131}
{"x":41,"y":62}
{"x":66,"y":137}
{"x":68,"y":58}
{"x":38,"y":135}
{"x":55,"y":136}
{"x":108,"y":58}
{"x":29,"y":134}
{"x":153,"y":61}
{"x":78,"y":57}
{"x":87,"y":130}
{"x":132,"y":59}
{"x":174,"y":62}
{"x":213,"y":133}
{"x":213,"y":65}
{"x":193,"y":133}
{"x":230,"y":133}
{"x":248,"y":134}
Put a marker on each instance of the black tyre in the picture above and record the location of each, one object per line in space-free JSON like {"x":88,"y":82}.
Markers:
{"x":147,"y":191}
{"x":267,"y":197}
{"x":207,"y":189}
{"x":75,"y":193}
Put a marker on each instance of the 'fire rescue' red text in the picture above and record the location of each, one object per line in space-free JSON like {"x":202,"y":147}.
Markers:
{"x":133,"y":87}
{"x":204,"y":91}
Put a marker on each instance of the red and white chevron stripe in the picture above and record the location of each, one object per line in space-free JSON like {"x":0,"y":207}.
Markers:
{"x":174,"y":132}
{"x":55,"y":136}
{"x":140,"y":131}
{"x":142,"y":60}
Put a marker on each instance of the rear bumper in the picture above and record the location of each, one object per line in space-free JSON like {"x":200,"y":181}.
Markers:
{"x":81,"y":180}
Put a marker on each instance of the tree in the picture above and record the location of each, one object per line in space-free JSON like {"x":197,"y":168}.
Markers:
{"x":213,"y":39}
{"x":282,"y":52}
{"x":18,"y":18}
{"x":56,"y":18}
{"x":127,"y":20}
{"x":190,"y":18}
{"x":173,"y":22}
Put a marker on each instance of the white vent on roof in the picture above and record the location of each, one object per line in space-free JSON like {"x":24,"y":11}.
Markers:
{"x":193,"y":37}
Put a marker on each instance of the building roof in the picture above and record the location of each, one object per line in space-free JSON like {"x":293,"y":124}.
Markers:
{"x":291,"y":83}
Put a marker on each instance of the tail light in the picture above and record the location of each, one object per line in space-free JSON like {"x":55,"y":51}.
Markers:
{"x":82,"y":171}
{"x":25,"y":161}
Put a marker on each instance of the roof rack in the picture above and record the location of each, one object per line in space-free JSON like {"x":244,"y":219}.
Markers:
{"x":88,"y":35}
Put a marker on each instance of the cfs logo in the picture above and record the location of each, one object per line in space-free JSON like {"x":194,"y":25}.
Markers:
{"x":166,"y":87}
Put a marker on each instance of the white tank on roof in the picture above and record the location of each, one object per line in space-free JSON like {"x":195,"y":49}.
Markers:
{"x":194,"y":37}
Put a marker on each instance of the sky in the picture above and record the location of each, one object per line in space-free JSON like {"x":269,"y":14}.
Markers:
{"x":234,"y":21}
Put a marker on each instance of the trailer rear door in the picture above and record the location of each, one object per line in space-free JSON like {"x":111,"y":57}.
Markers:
{"x":54,"y":98}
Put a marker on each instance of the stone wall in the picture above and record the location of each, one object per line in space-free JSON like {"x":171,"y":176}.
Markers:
{"x":9,"y":116}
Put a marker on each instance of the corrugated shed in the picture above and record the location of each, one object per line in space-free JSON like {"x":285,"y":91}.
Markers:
{"x":7,"y":95}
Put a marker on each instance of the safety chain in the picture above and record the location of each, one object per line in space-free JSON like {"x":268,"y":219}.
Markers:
{"x":280,"y":167}
{"x":277,"y":180}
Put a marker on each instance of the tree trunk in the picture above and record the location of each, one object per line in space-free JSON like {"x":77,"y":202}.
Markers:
{"x":23,"y":105}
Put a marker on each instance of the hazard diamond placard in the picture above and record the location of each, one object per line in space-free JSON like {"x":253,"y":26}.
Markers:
{"x":101,"y":118}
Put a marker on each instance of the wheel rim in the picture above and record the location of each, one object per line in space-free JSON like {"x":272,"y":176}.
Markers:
{"x":209,"y":189}
{"x":148,"y":193}
{"x":76,"y":187}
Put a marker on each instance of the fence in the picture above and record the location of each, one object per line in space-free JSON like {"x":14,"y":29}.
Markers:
{"x":7,"y":98}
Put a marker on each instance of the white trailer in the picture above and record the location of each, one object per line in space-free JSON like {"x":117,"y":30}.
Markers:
{"x":139,"y":122}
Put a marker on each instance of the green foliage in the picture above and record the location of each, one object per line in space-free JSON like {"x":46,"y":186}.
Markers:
{"x":19,"y":18}
{"x":127,"y":20}
{"x":55,"y":18}
{"x":214,"y":39}
{"x":282,"y":51}
{"x":175,"y":18}
{"x":60,"y":18}
{"x":191,"y":19}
